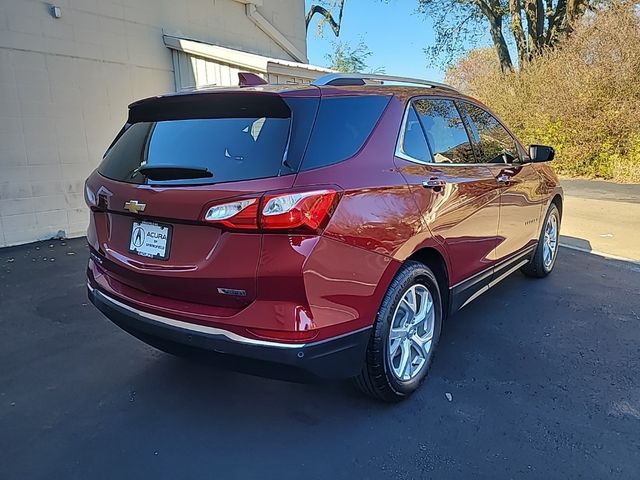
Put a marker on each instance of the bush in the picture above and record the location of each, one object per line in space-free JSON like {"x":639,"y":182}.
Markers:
{"x":582,"y":97}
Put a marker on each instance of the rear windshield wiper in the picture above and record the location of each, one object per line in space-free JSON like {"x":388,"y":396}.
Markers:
{"x":173,"y":172}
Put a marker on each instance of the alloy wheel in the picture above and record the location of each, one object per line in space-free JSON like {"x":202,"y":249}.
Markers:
{"x":550,"y":242}
{"x":411,"y":333}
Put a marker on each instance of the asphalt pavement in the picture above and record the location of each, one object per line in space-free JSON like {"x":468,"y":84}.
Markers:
{"x":542,"y":377}
{"x":602,"y":190}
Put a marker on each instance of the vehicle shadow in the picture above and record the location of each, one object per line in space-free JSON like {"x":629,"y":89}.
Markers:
{"x":211,"y":400}
{"x":575,"y":242}
{"x":206,"y":390}
{"x":497,"y":353}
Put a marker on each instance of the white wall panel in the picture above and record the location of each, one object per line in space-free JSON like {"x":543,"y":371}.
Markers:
{"x":65,"y":85}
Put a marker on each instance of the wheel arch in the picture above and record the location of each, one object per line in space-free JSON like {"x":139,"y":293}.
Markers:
{"x":434,"y":259}
{"x":557,"y":201}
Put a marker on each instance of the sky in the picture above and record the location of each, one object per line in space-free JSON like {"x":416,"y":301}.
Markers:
{"x":393,"y":31}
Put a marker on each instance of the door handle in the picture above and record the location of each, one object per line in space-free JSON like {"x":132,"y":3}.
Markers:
{"x":503,"y":178}
{"x":435,"y":183}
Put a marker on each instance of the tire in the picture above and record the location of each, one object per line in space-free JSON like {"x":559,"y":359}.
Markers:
{"x":537,"y":266}
{"x":379,"y":377}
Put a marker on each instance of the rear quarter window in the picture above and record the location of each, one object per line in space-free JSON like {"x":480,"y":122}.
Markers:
{"x":414,"y":142}
{"x":342,"y":126}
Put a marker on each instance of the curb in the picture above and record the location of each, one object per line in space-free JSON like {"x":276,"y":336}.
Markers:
{"x":600,"y":254}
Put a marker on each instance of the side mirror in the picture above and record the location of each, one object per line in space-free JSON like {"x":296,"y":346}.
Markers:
{"x":541,"y":153}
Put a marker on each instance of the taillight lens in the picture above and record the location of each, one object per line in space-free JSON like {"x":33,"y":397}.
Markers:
{"x":299,"y":211}
{"x":293,"y":211}
{"x":242,"y":214}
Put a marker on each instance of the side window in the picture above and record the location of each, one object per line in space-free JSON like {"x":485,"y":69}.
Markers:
{"x":495,"y":144}
{"x":342,"y":126}
{"x":414,"y":143}
{"x":445,"y":131}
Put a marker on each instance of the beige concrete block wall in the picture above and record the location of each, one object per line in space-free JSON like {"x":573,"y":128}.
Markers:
{"x":65,"y":85}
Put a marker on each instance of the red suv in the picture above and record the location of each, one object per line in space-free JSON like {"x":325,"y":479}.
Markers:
{"x":314,"y":231}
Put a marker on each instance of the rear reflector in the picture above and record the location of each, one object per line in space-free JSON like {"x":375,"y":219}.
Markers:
{"x":294,"y":336}
{"x":296,"y":212}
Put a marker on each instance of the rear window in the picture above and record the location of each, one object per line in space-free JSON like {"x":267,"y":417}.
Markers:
{"x":233,"y":146}
{"x":342,"y":126}
{"x":230,"y":148}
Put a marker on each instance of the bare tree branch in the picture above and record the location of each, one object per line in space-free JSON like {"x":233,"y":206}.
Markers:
{"x":335,"y":26}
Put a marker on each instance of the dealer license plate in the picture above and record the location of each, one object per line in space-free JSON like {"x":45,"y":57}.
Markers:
{"x":150,"y":240}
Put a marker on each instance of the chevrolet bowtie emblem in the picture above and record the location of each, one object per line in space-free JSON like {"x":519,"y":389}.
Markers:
{"x":134,"y":207}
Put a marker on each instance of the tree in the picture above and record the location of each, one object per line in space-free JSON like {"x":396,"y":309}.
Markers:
{"x":582,"y":96}
{"x":477,"y":66}
{"x":344,"y":58}
{"x":348,"y":59}
{"x":534,"y":25}
{"x":324,"y":11}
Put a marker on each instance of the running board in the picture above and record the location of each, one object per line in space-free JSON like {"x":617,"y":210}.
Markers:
{"x":494,"y":282}
{"x":468,"y":290}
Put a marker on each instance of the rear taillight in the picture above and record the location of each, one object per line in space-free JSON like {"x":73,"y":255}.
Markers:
{"x":298,"y":211}
{"x":306,"y":210}
{"x":242,"y":214}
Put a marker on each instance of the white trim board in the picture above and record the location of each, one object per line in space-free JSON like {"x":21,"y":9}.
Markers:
{"x":249,"y":61}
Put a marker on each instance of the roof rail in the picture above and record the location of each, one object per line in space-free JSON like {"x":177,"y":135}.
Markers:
{"x":343,"y":79}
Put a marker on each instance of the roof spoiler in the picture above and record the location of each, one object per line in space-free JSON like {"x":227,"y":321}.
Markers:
{"x":214,"y":104}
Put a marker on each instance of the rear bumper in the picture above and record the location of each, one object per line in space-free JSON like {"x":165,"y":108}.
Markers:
{"x":338,"y":357}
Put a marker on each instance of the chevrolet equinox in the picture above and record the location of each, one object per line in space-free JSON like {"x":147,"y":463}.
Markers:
{"x":314,"y":231}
